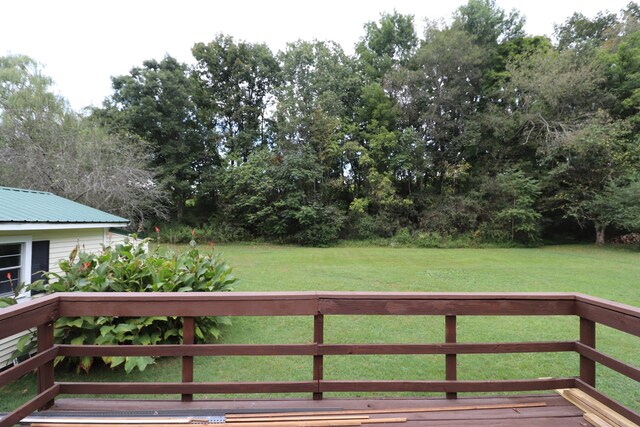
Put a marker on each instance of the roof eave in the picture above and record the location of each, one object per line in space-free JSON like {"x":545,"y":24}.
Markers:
{"x":26,"y":226}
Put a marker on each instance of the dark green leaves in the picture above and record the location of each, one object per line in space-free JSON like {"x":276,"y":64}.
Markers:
{"x":129,"y":267}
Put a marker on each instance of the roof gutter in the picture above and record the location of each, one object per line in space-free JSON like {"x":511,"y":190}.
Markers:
{"x":25,"y":226}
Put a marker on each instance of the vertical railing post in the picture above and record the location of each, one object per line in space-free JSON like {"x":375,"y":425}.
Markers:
{"x":318,"y":338}
{"x":45,"y":371}
{"x":588,"y":338}
{"x":188,"y":337}
{"x":451,"y":372}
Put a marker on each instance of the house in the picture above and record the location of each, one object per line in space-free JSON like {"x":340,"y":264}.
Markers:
{"x":37,"y":229}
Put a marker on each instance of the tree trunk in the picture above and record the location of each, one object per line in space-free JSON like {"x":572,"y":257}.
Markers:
{"x":600,"y":234}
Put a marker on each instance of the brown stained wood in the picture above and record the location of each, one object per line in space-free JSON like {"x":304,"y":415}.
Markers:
{"x":311,"y":349}
{"x":28,"y":365}
{"x":526,"y":422}
{"x":45,"y":370}
{"x":186,"y":388}
{"x":320,"y":423}
{"x":266,"y":423}
{"x":557,"y":413}
{"x":452,"y":348}
{"x":16,"y":318}
{"x":428,"y":307}
{"x":608,"y":305}
{"x":188,"y":337}
{"x":588,"y":339}
{"x":190,"y":350}
{"x":446,"y":386}
{"x":451,"y":369}
{"x":608,"y":361}
{"x":621,"y":409}
{"x":37,"y":402}
{"x":189,"y":304}
{"x":622,"y":321}
{"x":552,"y":400}
{"x":318,"y":362}
{"x":554,"y":296}
{"x":477,"y":407}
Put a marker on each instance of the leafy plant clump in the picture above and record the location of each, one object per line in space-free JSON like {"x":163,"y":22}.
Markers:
{"x":130,"y":267}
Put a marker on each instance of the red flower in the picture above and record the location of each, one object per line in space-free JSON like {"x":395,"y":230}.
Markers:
{"x":157,"y":229}
{"x":9,"y":275}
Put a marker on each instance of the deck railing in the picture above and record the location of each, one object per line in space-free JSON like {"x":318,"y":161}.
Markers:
{"x":43,"y":312}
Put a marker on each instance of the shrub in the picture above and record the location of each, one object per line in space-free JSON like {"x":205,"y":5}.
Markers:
{"x":129,"y":267}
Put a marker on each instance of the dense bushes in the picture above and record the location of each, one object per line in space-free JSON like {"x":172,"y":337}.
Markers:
{"x":129,"y":267}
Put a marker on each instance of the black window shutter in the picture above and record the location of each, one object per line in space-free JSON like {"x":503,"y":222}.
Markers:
{"x":39,"y":259}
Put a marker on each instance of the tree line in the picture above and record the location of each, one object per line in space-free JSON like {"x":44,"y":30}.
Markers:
{"x":472,"y":129}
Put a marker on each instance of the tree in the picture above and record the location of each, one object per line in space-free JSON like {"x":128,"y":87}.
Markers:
{"x":618,"y":204}
{"x":489,"y":24}
{"x":274,"y":195}
{"x":438,"y":96}
{"x":387,"y":44}
{"x":581,"y":33}
{"x":45,"y":146}
{"x":588,"y":166}
{"x":510,"y":198}
{"x":153,"y":103}
{"x":234,"y":92}
{"x":316,"y":103}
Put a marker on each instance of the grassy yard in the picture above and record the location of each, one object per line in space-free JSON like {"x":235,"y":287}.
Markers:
{"x":604,"y":272}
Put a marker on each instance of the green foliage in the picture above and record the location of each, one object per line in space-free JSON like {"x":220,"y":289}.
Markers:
{"x":447,"y":132}
{"x":618,"y":204}
{"x":234,"y":82}
{"x":387,"y":44}
{"x":46,"y":146}
{"x":154,"y":103}
{"x":511,"y":198}
{"x":16,"y":290}
{"x":209,"y":233}
{"x":129,"y":267}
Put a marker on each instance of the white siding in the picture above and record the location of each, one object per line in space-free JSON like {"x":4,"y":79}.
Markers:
{"x":8,"y":347}
{"x":61,"y":243}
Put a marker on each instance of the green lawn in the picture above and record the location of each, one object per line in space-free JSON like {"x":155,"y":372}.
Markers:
{"x":604,"y":272}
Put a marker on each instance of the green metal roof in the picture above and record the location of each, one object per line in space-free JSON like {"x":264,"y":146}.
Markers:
{"x":28,"y":206}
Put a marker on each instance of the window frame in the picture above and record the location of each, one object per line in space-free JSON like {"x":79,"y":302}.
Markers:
{"x":25,"y":260}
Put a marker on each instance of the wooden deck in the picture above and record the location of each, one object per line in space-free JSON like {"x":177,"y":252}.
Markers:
{"x":52,"y":394}
{"x":558,"y":412}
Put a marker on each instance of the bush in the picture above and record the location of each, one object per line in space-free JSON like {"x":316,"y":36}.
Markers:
{"x":210,"y":233}
{"x":319,"y":225}
{"x":128,"y":267}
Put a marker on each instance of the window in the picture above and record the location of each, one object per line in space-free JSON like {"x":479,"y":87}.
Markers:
{"x":11,"y":261}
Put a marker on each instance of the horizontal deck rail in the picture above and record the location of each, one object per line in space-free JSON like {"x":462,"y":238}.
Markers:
{"x":41,"y":313}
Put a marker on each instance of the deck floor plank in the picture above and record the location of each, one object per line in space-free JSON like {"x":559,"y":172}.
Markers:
{"x":557,"y":413}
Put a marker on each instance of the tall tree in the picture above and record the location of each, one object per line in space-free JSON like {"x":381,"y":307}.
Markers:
{"x":235,"y":83}
{"x":439,"y":97}
{"x":488,"y":23}
{"x":580,"y":33}
{"x":46,"y":146}
{"x":154,"y":103}
{"x":590,"y":168}
{"x":387,"y":44}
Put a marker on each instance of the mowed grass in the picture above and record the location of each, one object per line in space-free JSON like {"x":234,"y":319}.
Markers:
{"x":610,"y":273}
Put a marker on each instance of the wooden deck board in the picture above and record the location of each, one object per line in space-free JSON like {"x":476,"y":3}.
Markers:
{"x":557,"y":413}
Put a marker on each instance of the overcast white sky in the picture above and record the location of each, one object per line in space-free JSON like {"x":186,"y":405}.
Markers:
{"x":81,"y":43}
